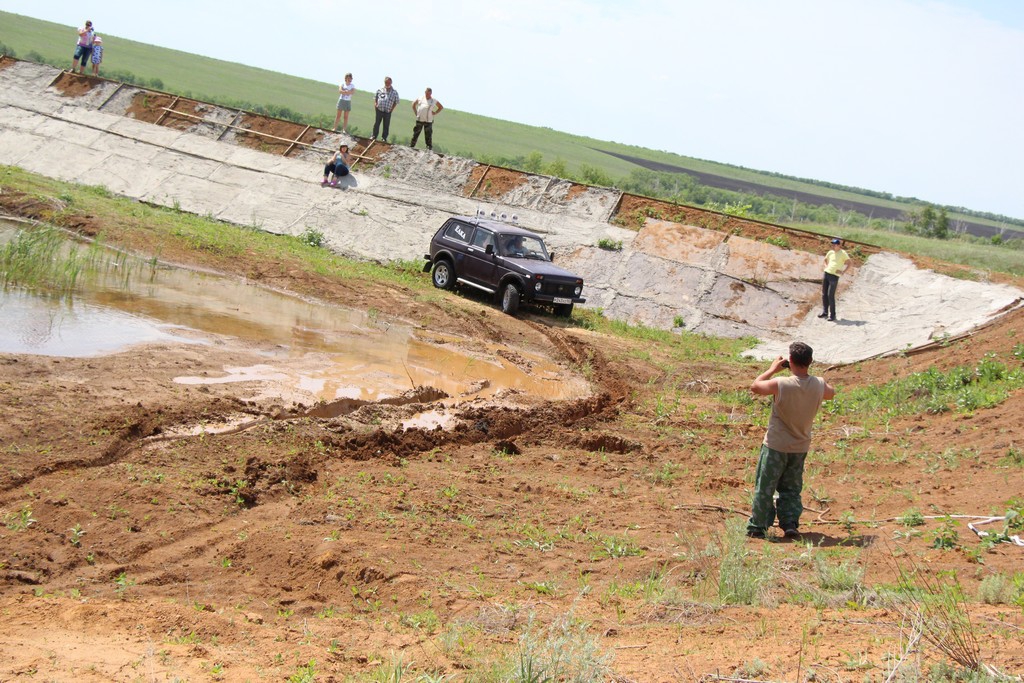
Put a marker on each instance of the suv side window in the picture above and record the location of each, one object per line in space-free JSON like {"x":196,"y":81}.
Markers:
{"x":482,"y":238}
{"x":458,"y":232}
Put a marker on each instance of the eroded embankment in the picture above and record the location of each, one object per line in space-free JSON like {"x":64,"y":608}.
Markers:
{"x":690,"y":269}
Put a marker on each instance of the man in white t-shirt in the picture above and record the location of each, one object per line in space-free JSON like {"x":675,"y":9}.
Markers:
{"x":425,"y":108}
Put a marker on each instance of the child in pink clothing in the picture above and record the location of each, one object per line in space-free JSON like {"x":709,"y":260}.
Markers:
{"x":338,"y":166}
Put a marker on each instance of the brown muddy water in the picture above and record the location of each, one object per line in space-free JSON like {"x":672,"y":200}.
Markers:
{"x":314,"y":350}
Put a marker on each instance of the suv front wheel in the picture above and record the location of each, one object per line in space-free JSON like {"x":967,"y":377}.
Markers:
{"x":510,"y":299}
{"x":443,"y":275}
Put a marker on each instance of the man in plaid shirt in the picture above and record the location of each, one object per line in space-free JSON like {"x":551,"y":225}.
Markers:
{"x":384,"y":103}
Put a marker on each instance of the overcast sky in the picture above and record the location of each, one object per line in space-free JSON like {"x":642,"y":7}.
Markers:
{"x":919,"y":98}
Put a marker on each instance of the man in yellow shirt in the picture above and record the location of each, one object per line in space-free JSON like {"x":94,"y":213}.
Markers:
{"x":835,"y":264}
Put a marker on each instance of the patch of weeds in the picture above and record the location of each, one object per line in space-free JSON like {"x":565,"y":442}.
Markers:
{"x":391,"y":672}
{"x":781,"y":242}
{"x":304,"y":673}
{"x":615,"y":546}
{"x":542,"y":587}
{"x":312,"y":237}
{"x":742,"y":575}
{"x":752,"y":669}
{"x":421,"y":621}
{"x":564,"y":651}
{"x":986,"y":384}
{"x":820,"y":496}
{"x":912,"y":518}
{"x":946,"y":536}
{"x":609,"y":244}
{"x":845,"y":577}
{"x":1014,"y":457}
{"x":999,"y":589}
{"x":665,"y":474}
{"x":935,"y":606}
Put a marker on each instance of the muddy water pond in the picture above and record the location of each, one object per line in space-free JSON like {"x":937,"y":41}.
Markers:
{"x":310,"y":350}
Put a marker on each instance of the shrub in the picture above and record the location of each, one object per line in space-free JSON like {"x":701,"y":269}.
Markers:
{"x":312,"y":237}
{"x":999,"y":589}
{"x":609,"y":245}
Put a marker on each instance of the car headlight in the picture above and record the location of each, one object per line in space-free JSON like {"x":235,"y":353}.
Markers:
{"x":578,"y":290}
{"x":537,"y":285}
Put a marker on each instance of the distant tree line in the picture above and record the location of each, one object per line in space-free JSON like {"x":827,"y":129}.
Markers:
{"x":999,"y":218}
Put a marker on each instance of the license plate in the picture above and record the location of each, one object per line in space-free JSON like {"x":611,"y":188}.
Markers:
{"x":562,"y":300}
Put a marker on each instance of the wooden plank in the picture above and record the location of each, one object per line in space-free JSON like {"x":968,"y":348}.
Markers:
{"x":170,"y":109}
{"x":360,"y":156}
{"x":292,"y":146}
{"x":244,"y":130}
{"x":477,"y":186}
{"x":228,"y":126}
{"x":111,"y":96}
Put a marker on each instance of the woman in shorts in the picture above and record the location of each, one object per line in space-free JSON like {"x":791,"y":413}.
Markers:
{"x":344,"y":102}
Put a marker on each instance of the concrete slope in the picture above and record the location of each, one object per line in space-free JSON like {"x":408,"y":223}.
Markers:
{"x":667,"y":275}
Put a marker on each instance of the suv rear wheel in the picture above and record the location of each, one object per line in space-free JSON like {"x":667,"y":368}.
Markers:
{"x":443,"y":275}
{"x":510,"y":299}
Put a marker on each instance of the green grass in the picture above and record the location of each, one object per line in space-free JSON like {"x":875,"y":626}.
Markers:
{"x":219,"y":240}
{"x":965,"y":252}
{"x":963,"y":389}
{"x":480,"y":137}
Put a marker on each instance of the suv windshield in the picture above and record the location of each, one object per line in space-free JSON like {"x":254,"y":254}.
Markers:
{"x":522,"y":246}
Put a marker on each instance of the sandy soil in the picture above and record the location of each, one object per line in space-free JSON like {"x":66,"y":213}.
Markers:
{"x":249,"y":554}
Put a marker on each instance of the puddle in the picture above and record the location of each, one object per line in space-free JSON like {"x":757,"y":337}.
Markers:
{"x":319,"y":352}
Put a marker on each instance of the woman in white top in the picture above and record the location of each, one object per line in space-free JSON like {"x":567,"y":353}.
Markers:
{"x":344,"y":102}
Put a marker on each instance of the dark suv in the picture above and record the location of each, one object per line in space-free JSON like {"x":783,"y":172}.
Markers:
{"x":501,"y":259}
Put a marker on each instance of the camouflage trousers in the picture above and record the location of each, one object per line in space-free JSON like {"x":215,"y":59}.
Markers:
{"x":782,"y":472}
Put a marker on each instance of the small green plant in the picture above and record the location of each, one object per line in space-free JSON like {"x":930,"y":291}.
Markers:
{"x":946,"y":536}
{"x":678,"y":321}
{"x":20,"y":520}
{"x":616,"y":546}
{"x":848,"y":522}
{"x":122,"y":583}
{"x":76,"y":535}
{"x":781,"y":242}
{"x":542,"y":587}
{"x":609,"y":244}
{"x":665,"y":474}
{"x":912,"y":518}
{"x":304,"y":673}
{"x":312,"y":237}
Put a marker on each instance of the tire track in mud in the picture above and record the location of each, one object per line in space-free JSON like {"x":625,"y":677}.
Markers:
{"x":115,"y":452}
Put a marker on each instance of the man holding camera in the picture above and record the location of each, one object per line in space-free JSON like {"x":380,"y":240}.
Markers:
{"x":780,"y":466}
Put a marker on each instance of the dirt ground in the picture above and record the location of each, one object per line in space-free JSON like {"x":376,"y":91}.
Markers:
{"x":142,"y":542}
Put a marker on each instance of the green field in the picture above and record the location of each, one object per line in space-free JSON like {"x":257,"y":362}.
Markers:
{"x":462,"y":133}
